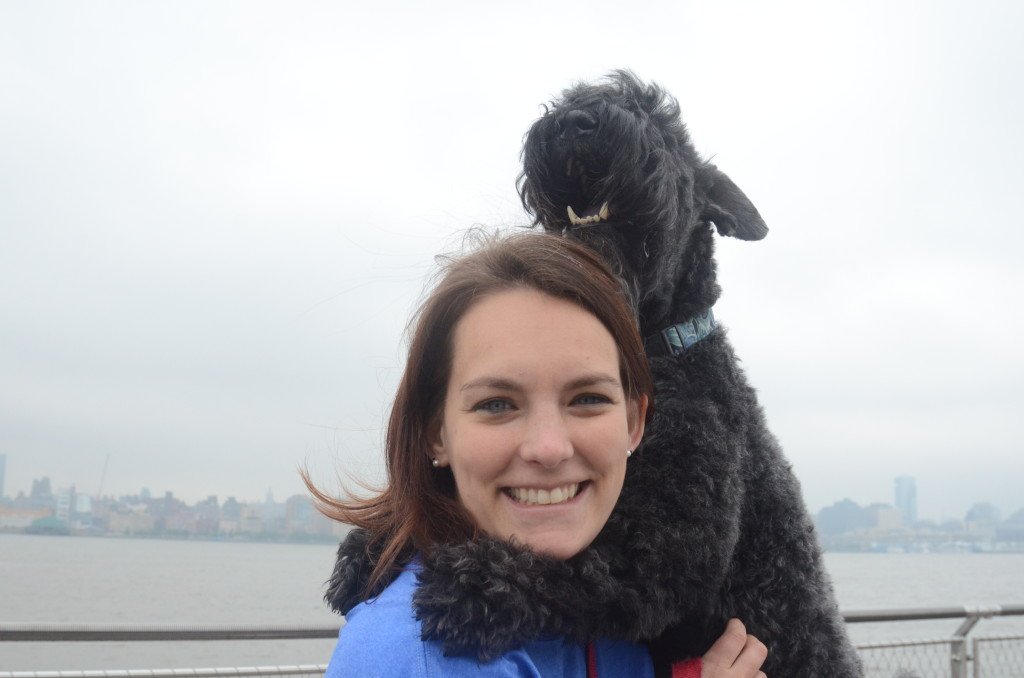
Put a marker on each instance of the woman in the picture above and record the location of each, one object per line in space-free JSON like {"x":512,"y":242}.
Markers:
{"x":525,"y":391}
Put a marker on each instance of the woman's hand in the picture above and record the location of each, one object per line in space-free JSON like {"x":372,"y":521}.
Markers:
{"x":736,"y":654}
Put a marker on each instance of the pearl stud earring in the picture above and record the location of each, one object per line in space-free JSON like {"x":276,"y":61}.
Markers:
{"x":629,"y":453}
{"x":435,"y":463}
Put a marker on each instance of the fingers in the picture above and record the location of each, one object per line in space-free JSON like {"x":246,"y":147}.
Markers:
{"x":729,"y":646}
{"x":735,"y":654}
{"x":751,"y":658}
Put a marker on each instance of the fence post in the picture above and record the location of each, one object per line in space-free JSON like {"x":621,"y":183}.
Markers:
{"x":976,"y":657}
{"x":958,"y":644}
{"x":958,"y":655}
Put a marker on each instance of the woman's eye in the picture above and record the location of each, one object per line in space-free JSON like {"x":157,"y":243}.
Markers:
{"x":591,"y":399}
{"x":493,"y":406}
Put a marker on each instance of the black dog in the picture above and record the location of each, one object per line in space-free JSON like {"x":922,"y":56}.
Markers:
{"x":710,"y":523}
{"x":612,"y":165}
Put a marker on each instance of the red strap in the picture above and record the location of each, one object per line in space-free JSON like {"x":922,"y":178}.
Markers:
{"x":592,"y":661}
{"x":691,"y":668}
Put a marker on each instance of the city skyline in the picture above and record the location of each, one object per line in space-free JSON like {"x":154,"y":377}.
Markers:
{"x":844,"y":525}
{"x":903,"y":498}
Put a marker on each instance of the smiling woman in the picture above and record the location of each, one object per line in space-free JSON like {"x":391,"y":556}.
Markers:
{"x":525,"y":391}
{"x":536,"y":426}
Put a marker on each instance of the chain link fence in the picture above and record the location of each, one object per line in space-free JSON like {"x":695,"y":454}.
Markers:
{"x":997,"y":653}
{"x":998,"y":656}
{"x":955,"y":656}
{"x":906,"y":658}
{"x":989,"y":657}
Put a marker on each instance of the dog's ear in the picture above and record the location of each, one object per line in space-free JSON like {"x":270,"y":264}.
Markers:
{"x":728,"y":208}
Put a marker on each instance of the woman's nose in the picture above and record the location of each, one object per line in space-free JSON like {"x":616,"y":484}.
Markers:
{"x":547,"y":440}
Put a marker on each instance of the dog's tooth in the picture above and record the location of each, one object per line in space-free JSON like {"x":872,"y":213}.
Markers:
{"x":572,"y":215}
{"x":603,"y":214}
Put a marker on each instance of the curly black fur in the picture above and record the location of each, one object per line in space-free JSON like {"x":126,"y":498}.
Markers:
{"x":710,"y":523}
{"x":622,"y":142}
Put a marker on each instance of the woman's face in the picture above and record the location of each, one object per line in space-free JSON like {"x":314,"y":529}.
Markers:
{"x":535,"y":424}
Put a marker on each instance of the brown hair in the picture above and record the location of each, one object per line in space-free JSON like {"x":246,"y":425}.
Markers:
{"x":418,"y":508}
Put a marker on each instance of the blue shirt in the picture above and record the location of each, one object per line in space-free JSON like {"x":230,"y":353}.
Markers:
{"x":381,"y":638}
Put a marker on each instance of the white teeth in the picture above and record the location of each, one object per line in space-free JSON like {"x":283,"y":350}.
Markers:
{"x":557,"y":495}
{"x":575,"y":220}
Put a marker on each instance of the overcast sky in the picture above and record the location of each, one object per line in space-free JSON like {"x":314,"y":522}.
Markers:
{"x":215,"y":219}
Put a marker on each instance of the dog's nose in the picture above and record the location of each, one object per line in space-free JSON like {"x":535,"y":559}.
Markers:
{"x":577,"y":122}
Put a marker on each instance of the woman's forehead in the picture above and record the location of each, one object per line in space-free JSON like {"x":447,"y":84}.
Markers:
{"x":522,"y":330}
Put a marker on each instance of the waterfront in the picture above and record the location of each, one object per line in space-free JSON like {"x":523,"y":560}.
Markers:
{"x":93,"y":580}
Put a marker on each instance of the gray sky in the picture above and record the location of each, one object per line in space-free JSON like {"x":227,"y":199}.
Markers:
{"x":215,"y":219}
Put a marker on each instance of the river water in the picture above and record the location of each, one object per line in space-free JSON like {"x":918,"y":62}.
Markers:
{"x":91,"y":580}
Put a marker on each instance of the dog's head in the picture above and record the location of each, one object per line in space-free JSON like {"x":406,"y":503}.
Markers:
{"x":611,"y":164}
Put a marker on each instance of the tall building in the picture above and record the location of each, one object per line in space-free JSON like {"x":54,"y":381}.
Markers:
{"x":3,"y":465}
{"x":906,"y":499}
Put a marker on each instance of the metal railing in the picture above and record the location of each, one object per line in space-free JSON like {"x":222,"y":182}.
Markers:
{"x":957,"y":656}
{"x":158,"y":632}
{"x":987,"y":657}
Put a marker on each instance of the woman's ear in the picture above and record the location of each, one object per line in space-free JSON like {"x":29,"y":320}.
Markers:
{"x":636,"y":418}
{"x":436,"y":437}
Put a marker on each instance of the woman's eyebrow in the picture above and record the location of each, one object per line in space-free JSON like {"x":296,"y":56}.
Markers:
{"x":499,"y":383}
{"x":505,"y":384}
{"x":592,"y":380}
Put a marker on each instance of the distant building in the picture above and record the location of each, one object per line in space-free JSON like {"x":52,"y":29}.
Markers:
{"x":299,"y":514}
{"x":1013,"y":529}
{"x":251,"y":522}
{"x":843,"y":516}
{"x":208,"y":516}
{"x":131,"y":520}
{"x":981,"y":514}
{"x":884,"y":517}
{"x":906,"y":499}
{"x":42,"y":494}
{"x":21,"y":518}
{"x":65,"y":505}
{"x":230,"y":516}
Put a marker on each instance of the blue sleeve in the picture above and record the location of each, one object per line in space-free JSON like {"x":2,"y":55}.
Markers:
{"x":362,"y":655}
{"x":621,"y":658}
{"x":385,"y":655}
